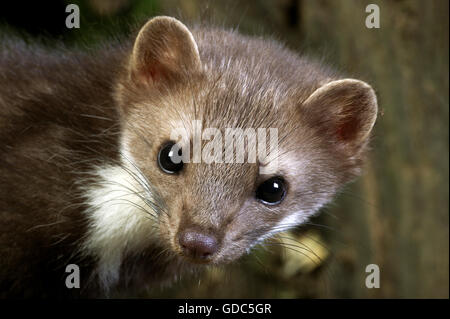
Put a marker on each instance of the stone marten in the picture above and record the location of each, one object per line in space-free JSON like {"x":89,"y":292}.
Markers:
{"x":92,"y":173}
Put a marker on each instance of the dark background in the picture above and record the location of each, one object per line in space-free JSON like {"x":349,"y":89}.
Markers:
{"x":396,"y":215}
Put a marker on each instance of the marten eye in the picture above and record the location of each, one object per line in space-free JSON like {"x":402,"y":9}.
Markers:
{"x":272,"y":191}
{"x":169,"y":158}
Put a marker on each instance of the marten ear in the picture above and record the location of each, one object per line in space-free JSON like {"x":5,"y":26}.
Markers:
{"x":164,"y":50}
{"x":344,"y":111}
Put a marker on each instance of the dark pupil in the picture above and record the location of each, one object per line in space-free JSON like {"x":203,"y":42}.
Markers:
{"x":271,"y":191}
{"x":167,"y":160}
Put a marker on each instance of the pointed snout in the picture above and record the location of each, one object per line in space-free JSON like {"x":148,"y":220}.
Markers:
{"x":197,"y":245}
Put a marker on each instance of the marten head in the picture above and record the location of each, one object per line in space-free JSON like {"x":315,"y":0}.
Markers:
{"x":191,"y":101}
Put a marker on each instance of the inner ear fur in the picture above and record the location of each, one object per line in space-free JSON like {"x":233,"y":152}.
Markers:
{"x":164,"y":50}
{"x":345,"y":111}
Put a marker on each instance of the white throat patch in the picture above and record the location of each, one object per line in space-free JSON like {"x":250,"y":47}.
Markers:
{"x":120,"y":217}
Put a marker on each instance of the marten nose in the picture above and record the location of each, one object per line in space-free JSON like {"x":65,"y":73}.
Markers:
{"x":197,"y":245}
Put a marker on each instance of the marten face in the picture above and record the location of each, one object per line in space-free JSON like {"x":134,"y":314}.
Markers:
{"x":216,"y":206}
{"x":181,"y":98}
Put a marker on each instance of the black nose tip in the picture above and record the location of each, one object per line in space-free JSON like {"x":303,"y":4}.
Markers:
{"x":197,"y":245}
